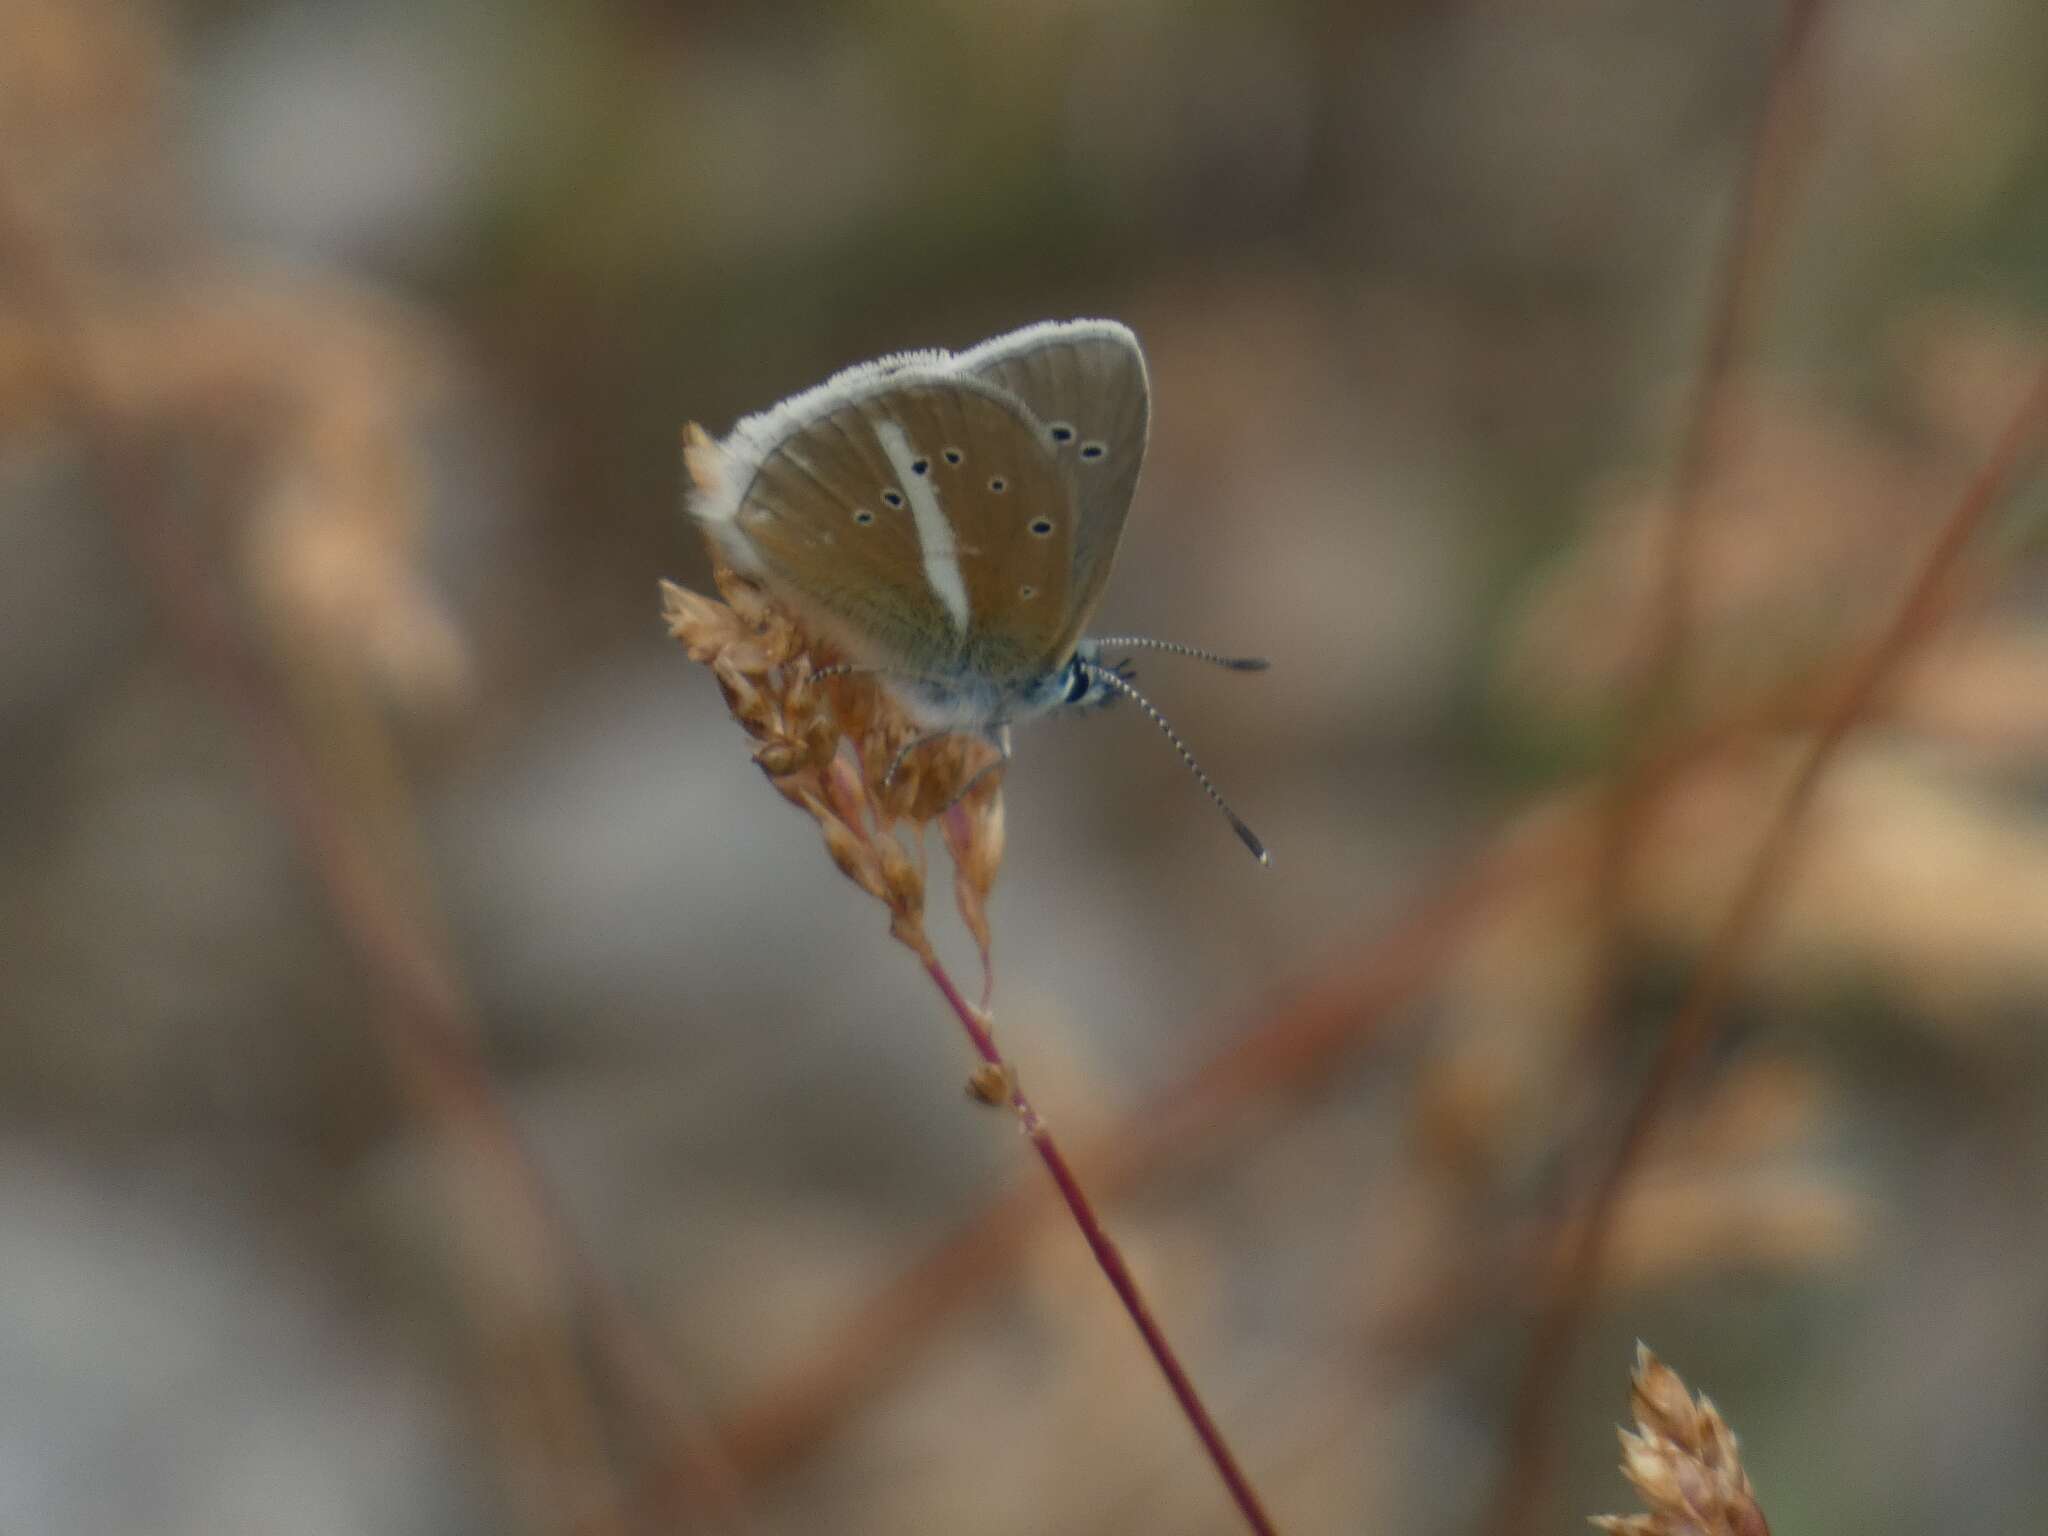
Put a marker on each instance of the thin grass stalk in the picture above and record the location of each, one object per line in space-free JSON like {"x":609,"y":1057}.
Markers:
{"x":1107,"y":1257}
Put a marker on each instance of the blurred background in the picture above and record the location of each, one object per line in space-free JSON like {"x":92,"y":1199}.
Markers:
{"x":446,"y":1090}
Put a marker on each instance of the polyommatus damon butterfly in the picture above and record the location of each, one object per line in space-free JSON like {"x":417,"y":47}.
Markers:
{"x":949,"y":520}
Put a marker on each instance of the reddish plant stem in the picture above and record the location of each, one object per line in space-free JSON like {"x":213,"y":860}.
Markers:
{"x":1692,"y":1031}
{"x":1342,"y":1003}
{"x":1111,"y":1261}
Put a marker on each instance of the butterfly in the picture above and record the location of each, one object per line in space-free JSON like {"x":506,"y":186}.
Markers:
{"x":948,"y":521}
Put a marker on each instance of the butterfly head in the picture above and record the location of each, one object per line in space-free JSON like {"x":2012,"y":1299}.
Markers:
{"x":1082,"y":685}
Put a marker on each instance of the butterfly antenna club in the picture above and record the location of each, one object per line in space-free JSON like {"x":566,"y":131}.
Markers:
{"x":1110,"y":679}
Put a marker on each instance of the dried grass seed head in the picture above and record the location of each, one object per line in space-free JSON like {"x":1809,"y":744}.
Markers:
{"x":1683,"y":1460}
{"x":839,"y":747}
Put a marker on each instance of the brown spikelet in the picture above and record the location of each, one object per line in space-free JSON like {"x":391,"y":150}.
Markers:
{"x":828,"y":745}
{"x":1683,"y":1460}
{"x":973,"y":830}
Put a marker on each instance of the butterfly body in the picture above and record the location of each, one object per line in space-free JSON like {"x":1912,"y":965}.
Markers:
{"x":977,"y":704}
{"x":948,"y":520}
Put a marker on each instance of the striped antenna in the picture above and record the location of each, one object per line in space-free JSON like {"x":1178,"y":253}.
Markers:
{"x":1141,"y":642}
{"x":1111,"y":680}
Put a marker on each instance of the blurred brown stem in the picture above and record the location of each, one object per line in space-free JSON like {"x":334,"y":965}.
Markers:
{"x":418,"y":1016}
{"x":1767,"y":171}
{"x":1659,"y":684}
{"x":1692,"y":1030}
{"x":1107,"y":1256}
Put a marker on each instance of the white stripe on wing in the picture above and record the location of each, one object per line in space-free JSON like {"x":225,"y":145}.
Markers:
{"x":934,"y":528}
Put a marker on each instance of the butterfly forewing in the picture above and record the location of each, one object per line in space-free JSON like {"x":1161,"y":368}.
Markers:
{"x":901,"y":521}
{"x":1085,"y":382}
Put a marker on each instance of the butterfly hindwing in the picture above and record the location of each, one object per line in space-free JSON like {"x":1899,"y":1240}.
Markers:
{"x":1085,"y":381}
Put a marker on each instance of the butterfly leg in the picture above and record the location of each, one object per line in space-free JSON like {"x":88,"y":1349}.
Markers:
{"x":999,"y":738}
{"x":896,"y":762}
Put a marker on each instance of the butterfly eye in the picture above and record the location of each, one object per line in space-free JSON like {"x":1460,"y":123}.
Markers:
{"x":894,"y":498}
{"x":999,"y":485}
{"x":953,"y":455}
{"x":1077,"y":686}
{"x":863,"y":517}
{"x":1092,"y":450}
{"x":1042,"y":527}
{"x":1062,"y":433}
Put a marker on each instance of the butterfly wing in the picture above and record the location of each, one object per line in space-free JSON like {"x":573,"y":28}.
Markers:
{"x":893,"y":506}
{"x":1085,"y":382}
